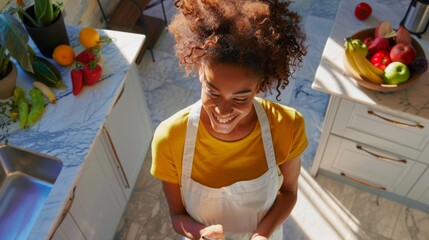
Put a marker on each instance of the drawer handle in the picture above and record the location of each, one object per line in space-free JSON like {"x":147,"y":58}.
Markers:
{"x":65,"y":212}
{"x":362,"y":183}
{"x":381,"y":157}
{"x":118,"y":160}
{"x":417,"y":125}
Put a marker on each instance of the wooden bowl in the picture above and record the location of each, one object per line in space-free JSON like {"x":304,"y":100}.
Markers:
{"x":383,"y":87}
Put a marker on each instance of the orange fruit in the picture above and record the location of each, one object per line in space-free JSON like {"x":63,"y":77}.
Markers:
{"x":63,"y":54}
{"x":89,"y":37}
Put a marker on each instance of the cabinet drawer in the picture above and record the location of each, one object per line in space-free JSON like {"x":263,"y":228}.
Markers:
{"x":370,"y":166}
{"x":420,"y":191}
{"x":402,"y":135}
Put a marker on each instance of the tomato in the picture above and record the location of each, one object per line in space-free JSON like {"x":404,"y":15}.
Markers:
{"x":363,"y":10}
{"x":381,"y":59}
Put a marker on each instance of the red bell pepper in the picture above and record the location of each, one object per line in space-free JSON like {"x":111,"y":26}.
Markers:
{"x":88,"y":55}
{"x":381,"y":59}
{"x":92,"y":72}
{"x":77,"y":79}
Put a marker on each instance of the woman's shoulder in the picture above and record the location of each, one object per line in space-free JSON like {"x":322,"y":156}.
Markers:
{"x":173,"y":125}
{"x":278,"y":112}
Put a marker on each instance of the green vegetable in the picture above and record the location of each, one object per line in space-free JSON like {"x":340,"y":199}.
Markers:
{"x":20,"y":102}
{"x":37,"y":106}
{"x":18,"y":93}
{"x":23,"y":111}
{"x":46,"y":72}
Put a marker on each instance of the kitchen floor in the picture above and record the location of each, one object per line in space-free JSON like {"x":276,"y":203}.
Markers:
{"x":326,"y":209}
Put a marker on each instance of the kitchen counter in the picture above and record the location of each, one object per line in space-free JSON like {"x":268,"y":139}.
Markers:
{"x":68,"y":129}
{"x":332,"y":78}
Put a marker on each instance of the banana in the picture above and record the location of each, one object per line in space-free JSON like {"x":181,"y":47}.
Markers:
{"x":372,"y":67}
{"x":356,"y":56}
{"x":46,"y":91}
{"x":349,"y":61}
{"x":366,"y":71}
{"x":373,"y":74}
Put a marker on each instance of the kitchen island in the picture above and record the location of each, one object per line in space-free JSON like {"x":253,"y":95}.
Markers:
{"x":373,"y":140}
{"x":109,"y":118}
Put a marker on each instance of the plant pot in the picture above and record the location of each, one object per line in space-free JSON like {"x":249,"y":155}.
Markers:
{"x":47,"y":38}
{"x":7,"y":84}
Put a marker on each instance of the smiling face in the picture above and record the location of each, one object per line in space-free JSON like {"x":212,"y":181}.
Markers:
{"x":227,"y":97}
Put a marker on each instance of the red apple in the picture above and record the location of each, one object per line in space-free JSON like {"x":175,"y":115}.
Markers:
{"x":379,"y":44}
{"x":403,"y":52}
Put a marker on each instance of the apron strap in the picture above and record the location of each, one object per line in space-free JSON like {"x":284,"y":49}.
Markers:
{"x":266,"y":134}
{"x":190,"y":139}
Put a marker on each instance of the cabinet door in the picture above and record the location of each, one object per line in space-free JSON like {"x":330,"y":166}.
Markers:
{"x":130,"y":130}
{"x":371,"y":166}
{"x":70,"y":230}
{"x":98,"y":207}
{"x":58,"y":235}
{"x":66,"y":227}
{"x":420,"y":191}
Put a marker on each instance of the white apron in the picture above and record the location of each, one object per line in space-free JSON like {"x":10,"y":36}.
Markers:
{"x":240,"y":206}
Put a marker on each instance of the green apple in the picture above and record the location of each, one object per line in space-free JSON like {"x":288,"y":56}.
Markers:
{"x":395,"y":73}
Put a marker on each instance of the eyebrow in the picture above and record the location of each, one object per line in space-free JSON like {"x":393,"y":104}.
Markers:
{"x":239,"y":92}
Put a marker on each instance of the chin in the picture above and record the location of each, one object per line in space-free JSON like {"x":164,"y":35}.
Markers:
{"x":222,"y":128}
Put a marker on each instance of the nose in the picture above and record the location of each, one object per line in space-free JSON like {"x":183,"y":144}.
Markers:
{"x":223,"y":107}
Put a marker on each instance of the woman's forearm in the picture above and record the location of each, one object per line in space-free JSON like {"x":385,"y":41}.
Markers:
{"x":279,"y":211}
{"x":185,"y":225}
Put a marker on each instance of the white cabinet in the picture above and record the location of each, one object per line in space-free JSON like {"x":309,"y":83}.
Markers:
{"x":374,"y":167}
{"x":377,"y":149}
{"x":70,"y":230}
{"x":420,"y":191}
{"x":111,"y":168}
{"x":97,"y":208}
{"x":66,"y":228}
{"x":401,"y":134}
{"x":130,"y":129}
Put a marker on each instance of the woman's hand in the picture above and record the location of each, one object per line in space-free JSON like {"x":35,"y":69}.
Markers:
{"x":213,"y":232}
{"x":258,"y":237}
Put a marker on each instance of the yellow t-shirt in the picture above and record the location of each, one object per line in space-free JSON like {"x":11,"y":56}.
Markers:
{"x":218,"y":163}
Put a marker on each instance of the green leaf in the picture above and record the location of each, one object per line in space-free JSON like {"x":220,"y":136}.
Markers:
{"x":15,"y":39}
{"x":44,"y":11}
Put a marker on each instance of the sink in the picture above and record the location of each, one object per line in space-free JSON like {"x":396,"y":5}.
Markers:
{"x":26,"y":178}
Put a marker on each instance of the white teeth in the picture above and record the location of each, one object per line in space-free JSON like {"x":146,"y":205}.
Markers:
{"x":223,"y":120}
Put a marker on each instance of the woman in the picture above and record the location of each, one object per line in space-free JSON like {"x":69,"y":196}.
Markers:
{"x":229,"y":164}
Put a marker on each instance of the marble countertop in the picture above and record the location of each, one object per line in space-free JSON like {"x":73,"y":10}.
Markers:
{"x":332,"y":78}
{"x":68,"y":128}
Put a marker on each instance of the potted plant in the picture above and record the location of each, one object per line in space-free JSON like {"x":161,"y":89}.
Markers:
{"x":45,"y":25}
{"x":13,"y":43}
{"x":8,"y":74}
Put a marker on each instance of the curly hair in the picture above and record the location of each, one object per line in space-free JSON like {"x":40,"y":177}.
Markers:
{"x":261,"y":35}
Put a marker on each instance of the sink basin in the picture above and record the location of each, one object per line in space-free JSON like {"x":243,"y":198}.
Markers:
{"x":26,"y":178}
